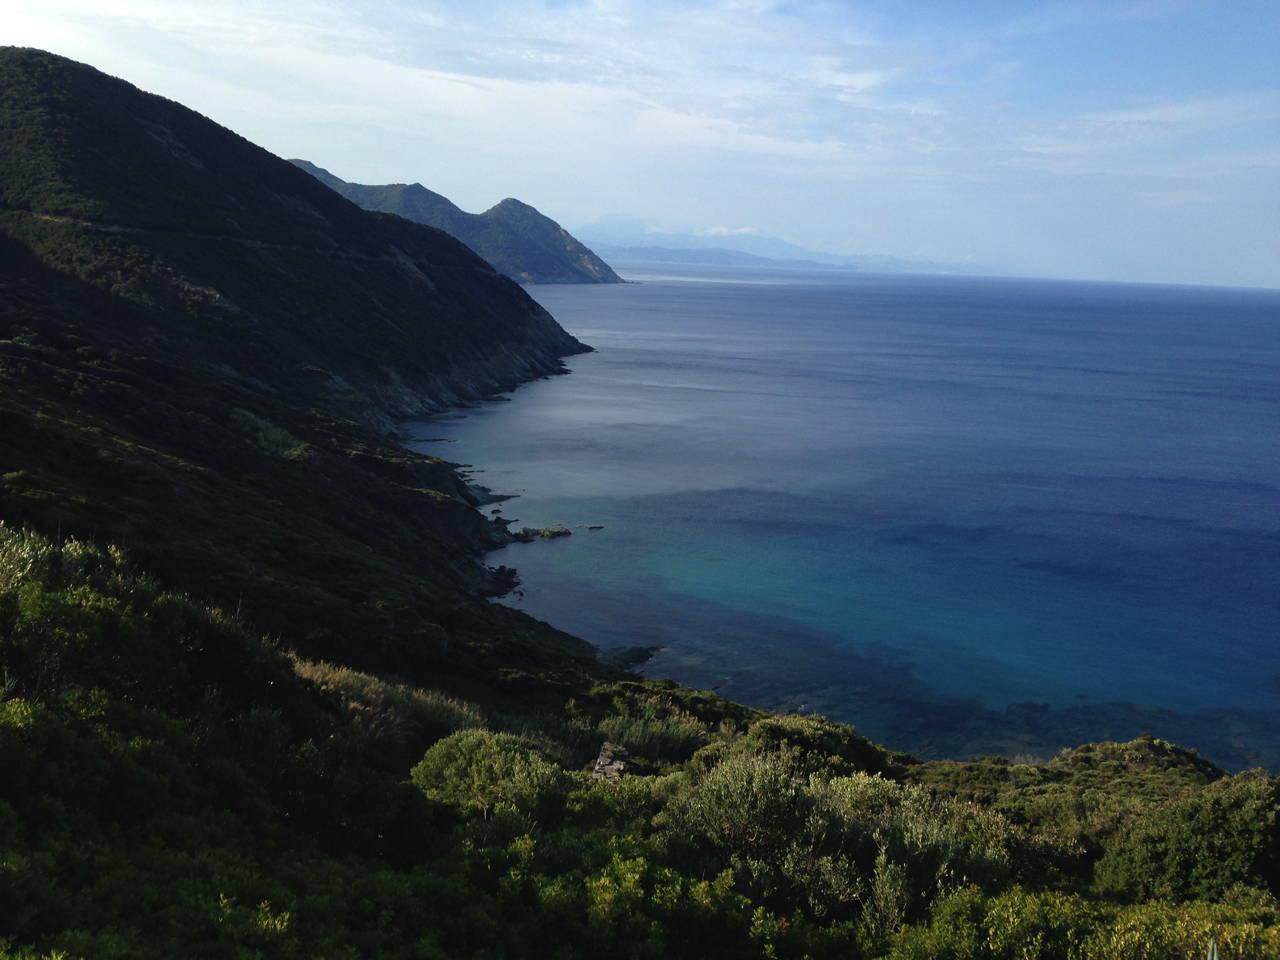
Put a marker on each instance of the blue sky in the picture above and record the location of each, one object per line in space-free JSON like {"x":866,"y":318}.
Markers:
{"x":1128,"y":139}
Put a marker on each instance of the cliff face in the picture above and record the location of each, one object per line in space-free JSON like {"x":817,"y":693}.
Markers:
{"x":242,"y":263}
{"x":514,"y":237}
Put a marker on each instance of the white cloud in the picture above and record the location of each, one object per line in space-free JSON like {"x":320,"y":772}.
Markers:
{"x":1173,"y":199}
{"x":1195,"y":115}
{"x":816,"y":121}
{"x":671,"y":129}
{"x":836,"y":73}
{"x":1111,"y":140}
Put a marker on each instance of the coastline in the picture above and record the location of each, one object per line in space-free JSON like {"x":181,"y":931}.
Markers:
{"x":824,"y":678}
{"x":494,"y":582}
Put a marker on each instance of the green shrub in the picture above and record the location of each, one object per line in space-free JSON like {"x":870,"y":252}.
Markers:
{"x":1198,"y":846}
{"x":664,"y":738}
{"x":572,"y":743}
{"x":1088,"y":793}
{"x":272,"y":439}
{"x":757,"y":814}
{"x":751,"y":805}
{"x":482,"y":772}
{"x":1024,"y":925}
{"x":830,"y":844}
{"x":629,"y":801}
{"x":1185,"y":931}
{"x":1021,"y":925}
{"x":817,"y":743}
{"x":955,"y":931}
{"x":29,"y":558}
{"x":946,"y":843}
{"x":23,"y":558}
{"x":889,"y":899}
{"x":391,"y":716}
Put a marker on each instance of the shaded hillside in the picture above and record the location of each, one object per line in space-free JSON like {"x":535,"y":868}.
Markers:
{"x":245,"y":264}
{"x":195,"y":341}
{"x":513,"y":236}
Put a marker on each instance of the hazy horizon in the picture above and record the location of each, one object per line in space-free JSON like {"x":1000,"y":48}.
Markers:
{"x":1121,"y":141}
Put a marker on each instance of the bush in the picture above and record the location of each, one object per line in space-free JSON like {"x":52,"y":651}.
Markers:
{"x":945,"y":843}
{"x":751,"y":805}
{"x":481,"y":773}
{"x":664,"y":738}
{"x":1185,"y":930}
{"x":391,"y":717}
{"x":270,"y":438}
{"x":1199,"y":846}
{"x":1022,"y":925}
{"x":955,"y":931}
{"x":817,"y":743}
{"x":830,"y":845}
{"x":627,"y":802}
{"x":757,"y":814}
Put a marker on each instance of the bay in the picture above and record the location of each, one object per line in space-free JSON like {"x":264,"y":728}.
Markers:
{"x":966,"y":515}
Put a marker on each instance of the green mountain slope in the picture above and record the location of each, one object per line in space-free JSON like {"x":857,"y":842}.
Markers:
{"x":246,"y":263}
{"x":513,"y":236}
{"x":253,"y":702}
{"x":195,"y":339}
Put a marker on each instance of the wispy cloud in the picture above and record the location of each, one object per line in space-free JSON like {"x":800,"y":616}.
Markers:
{"x":847,"y":124}
{"x":1196,"y":115}
{"x":671,"y":129}
{"x":1100,"y":140}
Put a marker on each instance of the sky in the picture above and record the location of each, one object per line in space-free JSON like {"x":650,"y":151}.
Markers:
{"x":1119,"y":139}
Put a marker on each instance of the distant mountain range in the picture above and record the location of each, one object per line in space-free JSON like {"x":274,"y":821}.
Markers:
{"x":513,"y":236}
{"x":710,"y":257}
{"x":623,"y":238}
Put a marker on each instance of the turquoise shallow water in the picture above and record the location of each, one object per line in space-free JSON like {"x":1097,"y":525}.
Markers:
{"x":965,"y":515}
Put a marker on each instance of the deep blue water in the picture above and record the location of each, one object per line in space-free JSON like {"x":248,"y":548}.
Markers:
{"x":966,"y":515}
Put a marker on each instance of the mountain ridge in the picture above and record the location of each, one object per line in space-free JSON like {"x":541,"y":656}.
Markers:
{"x":627,"y":233}
{"x":192,"y":329}
{"x":248,"y":263}
{"x":712,"y":257}
{"x":513,"y":236}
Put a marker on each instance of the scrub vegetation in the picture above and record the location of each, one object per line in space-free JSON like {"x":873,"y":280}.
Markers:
{"x":178,"y":784}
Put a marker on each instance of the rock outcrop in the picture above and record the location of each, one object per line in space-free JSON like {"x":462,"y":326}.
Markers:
{"x":612,"y":762}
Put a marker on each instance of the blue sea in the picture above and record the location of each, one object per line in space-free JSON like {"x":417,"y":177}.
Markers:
{"x":965,"y":515}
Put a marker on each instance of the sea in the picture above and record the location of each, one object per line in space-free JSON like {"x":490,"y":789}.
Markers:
{"x":966,"y":515}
